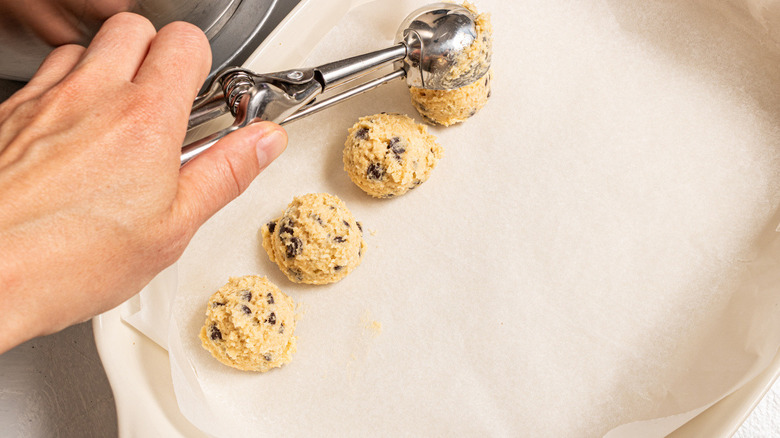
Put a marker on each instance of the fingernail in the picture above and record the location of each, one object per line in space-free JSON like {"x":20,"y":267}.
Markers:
{"x":270,"y":146}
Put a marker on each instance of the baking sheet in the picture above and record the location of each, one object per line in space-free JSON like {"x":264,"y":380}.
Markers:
{"x":593,"y":250}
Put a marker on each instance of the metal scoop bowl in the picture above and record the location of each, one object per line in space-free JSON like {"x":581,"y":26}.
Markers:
{"x":428,"y":45}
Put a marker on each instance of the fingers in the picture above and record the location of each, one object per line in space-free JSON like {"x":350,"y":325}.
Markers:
{"x":178,"y":62}
{"x":55,"y":67}
{"x":216,"y":177}
{"x":118,"y":49}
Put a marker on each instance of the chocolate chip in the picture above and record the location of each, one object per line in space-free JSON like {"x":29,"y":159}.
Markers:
{"x":339,"y":239}
{"x":362,"y":134}
{"x":415,"y":184}
{"x":338,"y":268}
{"x":215,"y":334}
{"x":286,"y":227}
{"x":246,"y":295}
{"x":490,"y":93}
{"x":271,"y":319}
{"x":375,"y":171}
{"x":296,"y":273}
{"x":395,"y":146}
{"x":389,"y":195}
{"x":267,"y":357}
{"x":346,"y":224}
{"x":471,"y":114}
{"x":246,"y":310}
{"x":360,"y":227}
{"x":217,"y":304}
{"x":269,"y":298}
{"x":294,"y":247}
{"x":271,"y":226}
{"x":317,"y":218}
{"x":281,"y":327}
{"x":429,"y":120}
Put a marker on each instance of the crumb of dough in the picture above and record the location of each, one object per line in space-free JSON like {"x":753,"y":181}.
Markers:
{"x":317,"y":240}
{"x":448,"y":107}
{"x":250,"y":325}
{"x":386,"y":155}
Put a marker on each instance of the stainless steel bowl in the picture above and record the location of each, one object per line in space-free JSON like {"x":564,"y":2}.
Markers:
{"x":234,"y":27}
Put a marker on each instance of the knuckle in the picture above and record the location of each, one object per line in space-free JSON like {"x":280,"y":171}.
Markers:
{"x":65,"y":52}
{"x":186,"y":30}
{"x":234,"y":176}
{"x":130,"y":20}
{"x":189,"y":36}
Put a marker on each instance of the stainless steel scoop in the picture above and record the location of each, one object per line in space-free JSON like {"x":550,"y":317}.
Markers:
{"x":428,"y":44}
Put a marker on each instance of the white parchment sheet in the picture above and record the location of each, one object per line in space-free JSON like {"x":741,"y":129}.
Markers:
{"x":596,"y":249}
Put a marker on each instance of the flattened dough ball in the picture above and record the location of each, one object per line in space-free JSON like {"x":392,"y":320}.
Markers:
{"x":250,"y":325}
{"x":316,"y":240}
{"x":387,"y":155}
{"x":447,"y":107}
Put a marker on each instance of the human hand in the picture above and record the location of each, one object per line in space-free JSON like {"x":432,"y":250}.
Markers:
{"x":93,"y":202}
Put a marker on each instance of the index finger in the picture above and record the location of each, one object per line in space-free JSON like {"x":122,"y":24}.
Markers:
{"x":176,"y":65}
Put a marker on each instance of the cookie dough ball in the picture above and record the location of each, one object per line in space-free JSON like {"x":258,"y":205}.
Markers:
{"x":250,"y":325}
{"x":447,"y":107}
{"x":387,"y":155}
{"x":316,"y":240}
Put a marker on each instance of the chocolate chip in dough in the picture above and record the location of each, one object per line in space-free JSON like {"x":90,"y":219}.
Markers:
{"x":214,"y":333}
{"x":269,"y":298}
{"x":296,"y":273}
{"x":294,"y":247}
{"x":395,"y":146}
{"x":362,"y":134}
{"x":375,"y":172}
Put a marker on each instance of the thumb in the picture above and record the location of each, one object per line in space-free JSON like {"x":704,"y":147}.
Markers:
{"x":217,"y":176}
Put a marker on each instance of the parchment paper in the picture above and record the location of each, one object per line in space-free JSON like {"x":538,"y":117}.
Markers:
{"x":597,"y":252}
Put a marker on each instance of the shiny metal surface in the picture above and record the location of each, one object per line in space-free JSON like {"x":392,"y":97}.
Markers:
{"x":430,"y":40}
{"x":251,"y":98}
{"x":234,"y":27}
{"x":436,"y":36}
{"x":338,"y":72}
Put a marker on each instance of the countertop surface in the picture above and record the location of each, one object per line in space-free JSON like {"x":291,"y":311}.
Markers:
{"x":55,"y":386}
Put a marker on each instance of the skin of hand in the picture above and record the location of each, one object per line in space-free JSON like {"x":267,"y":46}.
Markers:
{"x":93,"y":202}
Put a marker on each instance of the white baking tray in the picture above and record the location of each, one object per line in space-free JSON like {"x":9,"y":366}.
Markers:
{"x":139,"y":370}
{"x":140,"y":376}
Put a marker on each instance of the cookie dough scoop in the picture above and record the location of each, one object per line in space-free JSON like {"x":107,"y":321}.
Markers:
{"x":431,"y":45}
